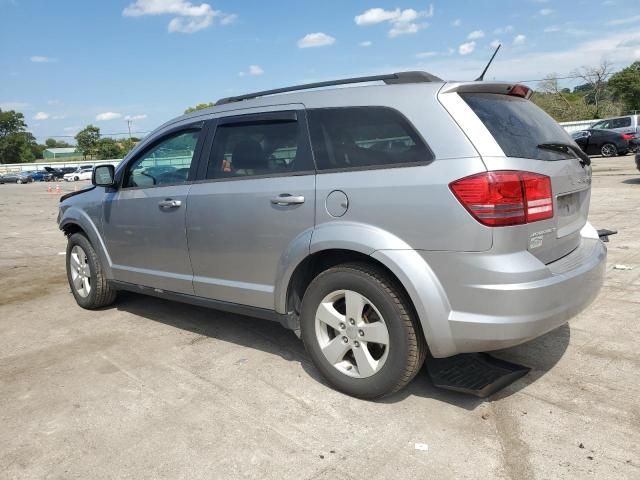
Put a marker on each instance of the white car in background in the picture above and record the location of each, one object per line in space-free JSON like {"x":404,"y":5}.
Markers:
{"x":81,"y":173}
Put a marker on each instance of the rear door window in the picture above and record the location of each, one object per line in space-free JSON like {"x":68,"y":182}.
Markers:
{"x":255,"y":148}
{"x":357,"y":137}
{"x":518,"y":125}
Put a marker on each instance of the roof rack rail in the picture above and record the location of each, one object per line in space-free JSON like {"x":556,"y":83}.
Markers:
{"x":391,"y":78}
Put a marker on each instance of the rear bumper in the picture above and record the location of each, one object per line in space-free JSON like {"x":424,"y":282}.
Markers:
{"x":498,"y":301}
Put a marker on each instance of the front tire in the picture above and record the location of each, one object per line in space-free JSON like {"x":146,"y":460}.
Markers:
{"x":86,"y":277}
{"x":361,"y":332}
{"x":609,"y":150}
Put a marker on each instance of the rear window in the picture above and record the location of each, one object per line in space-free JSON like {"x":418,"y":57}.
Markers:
{"x":356,"y":137}
{"x":518,"y":125}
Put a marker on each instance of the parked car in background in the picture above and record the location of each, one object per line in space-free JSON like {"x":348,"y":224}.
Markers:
{"x":81,"y":173}
{"x":638,"y":161}
{"x":379,"y":222}
{"x":16,"y":177}
{"x":39,"y":175}
{"x":59,"y":173}
{"x":603,"y":142}
{"x":625,"y":124}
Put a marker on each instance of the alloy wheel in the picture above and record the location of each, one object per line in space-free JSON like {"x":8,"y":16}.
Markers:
{"x":80,"y":271}
{"x":352,"y":334}
{"x":608,"y":150}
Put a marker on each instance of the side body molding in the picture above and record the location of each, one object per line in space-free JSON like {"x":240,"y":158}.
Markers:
{"x":418,"y":279}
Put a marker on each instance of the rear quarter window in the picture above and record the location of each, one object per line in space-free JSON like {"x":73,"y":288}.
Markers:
{"x":518,"y":125}
{"x":364,"y":137}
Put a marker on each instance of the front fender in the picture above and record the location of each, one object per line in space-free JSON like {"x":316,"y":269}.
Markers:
{"x":76,"y":216}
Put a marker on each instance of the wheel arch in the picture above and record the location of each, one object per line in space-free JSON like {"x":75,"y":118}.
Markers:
{"x":76,"y":220}
{"x":403,"y":264}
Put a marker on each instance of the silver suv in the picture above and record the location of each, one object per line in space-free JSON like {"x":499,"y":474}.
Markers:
{"x":381,"y":223}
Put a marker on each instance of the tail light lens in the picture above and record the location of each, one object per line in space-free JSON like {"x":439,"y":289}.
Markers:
{"x":628,"y":136}
{"x":505,"y":197}
{"x":521,"y":91}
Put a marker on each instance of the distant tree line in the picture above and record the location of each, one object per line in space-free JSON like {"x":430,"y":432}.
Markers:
{"x":602,"y":94}
{"x":17,"y":145}
{"x":92,"y":145}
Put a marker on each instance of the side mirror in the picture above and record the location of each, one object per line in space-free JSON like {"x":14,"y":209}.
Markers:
{"x":104,"y":176}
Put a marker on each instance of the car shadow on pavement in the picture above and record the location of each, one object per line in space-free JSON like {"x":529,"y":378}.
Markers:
{"x":540,"y":354}
{"x":632,"y":181}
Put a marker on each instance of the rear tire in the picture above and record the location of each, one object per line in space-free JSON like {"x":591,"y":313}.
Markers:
{"x":353,"y":356}
{"x":86,"y":277}
{"x":609,"y":150}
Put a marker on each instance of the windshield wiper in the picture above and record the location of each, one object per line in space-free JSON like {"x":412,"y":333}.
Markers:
{"x":568,"y":149}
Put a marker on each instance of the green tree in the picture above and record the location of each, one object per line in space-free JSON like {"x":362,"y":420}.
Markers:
{"x":15,"y":142}
{"x":108,"y":148}
{"x":87,"y":140}
{"x":200,"y":106}
{"x":625,"y":86}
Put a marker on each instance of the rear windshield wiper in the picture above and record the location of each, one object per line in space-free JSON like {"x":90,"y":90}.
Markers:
{"x":568,"y":149}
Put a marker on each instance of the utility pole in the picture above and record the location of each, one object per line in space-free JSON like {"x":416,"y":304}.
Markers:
{"x":129,"y":126}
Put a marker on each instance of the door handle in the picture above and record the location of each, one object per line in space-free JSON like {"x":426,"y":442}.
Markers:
{"x":286,"y":199}
{"x":168,"y":203}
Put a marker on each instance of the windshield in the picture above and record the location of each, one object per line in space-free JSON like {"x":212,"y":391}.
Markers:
{"x":518,"y":125}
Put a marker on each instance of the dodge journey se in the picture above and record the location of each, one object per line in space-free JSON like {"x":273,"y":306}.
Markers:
{"x":404,"y":216}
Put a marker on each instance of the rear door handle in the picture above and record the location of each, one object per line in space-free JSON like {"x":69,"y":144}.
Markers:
{"x":286,"y":199}
{"x":168,"y":203}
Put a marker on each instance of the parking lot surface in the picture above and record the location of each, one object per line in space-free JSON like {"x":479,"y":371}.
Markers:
{"x":154,"y":389}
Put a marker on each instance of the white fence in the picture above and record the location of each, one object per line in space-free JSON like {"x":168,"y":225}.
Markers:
{"x":576,"y":126}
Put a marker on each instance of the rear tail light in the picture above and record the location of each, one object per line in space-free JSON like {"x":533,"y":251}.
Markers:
{"x":628,"y":136}
{"x":505,"y":197}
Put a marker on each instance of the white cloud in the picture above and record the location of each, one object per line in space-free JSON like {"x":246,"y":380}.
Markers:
{"x":14,"y":105}
{"x":58,"y":117}
{"x":107,"y":116}
{"x":426,"y":54}
{"x":466,"y":48}
{"x":456,"y":23}
{"x":501,"y":30}
{"x":519,"y":39}
{"x":42,"y":59}
{"x":545,"y":12}
{"x":255,"y":70}
{"x":402,"y":21}
{"x":475,"y":35}
{"x":366,"y":43}
{"x":624,"y":21}
{"x":404,"y":28}
{"x":376,"y":15}
{"x":565,"y":28}
{"x":616,"y":47}
{"x":132,"y":118}
{"x":41,"y":116}
{"x":189,"y":18}
{"x":317,"y":39}
{"x":495,"y":43}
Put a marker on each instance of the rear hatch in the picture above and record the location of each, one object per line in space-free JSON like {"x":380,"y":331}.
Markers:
{"x":529,"y":140}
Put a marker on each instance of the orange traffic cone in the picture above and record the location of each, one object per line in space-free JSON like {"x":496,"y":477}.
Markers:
{"x":48,"y":188}
{"x":57,"y":188}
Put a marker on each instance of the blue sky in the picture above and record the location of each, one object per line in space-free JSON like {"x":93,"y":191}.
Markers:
{"x":69,"y":63}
